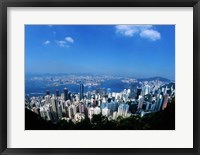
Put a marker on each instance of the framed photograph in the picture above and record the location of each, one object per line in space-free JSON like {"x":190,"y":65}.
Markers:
{"x":108,"y":77}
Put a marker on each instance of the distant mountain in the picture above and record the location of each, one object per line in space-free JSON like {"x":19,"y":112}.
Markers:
{"x":155,"y":78}
{"x":57,"y":74}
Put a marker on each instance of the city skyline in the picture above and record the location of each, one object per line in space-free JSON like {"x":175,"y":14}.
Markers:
{"x":130,"y":50}
{"x":145,"y":105}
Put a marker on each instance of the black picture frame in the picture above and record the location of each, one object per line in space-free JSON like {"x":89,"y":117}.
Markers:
{"x":4,"y":4}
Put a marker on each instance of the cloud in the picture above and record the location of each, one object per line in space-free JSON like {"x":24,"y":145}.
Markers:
{"x":144,"y":31}
{"x":65,"y":42}
{"x":150,"y":34}
{"x":46,"y":42}
{"x":69,"y":39}
{"x":62,"y":43}
{"x":127,"y":30}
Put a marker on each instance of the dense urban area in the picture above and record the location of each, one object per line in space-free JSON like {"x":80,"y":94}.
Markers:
{"x":93,"y":105}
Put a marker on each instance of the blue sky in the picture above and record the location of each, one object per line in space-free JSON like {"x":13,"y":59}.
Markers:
{"x":129,"y":50}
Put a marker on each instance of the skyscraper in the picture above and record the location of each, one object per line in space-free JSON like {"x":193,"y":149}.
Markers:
{"x":165,"y":101}
{"x":140,"y":102}
{"x":65,"y":94}
{"x":160,"y":102}
{"x":138,"y":92}
{"x":123,"y":110}
{"x":70,"y":96}
{"x":54,"y":108}
{"x":47,"y":92}
{"x":146,"y":89}
{"x":81,"y":91}
{"x":57,"y":93}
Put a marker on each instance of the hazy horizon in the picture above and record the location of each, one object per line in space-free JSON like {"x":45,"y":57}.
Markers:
{"x":93,"y":74}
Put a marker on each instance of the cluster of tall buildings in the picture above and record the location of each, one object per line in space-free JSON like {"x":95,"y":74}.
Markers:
{"x":77,"y":106}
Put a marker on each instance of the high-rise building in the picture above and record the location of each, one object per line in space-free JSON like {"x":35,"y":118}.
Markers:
{"x":102,"y":92}
{"x":112,"y":106}
{"x":81,"y":108}
{"x":140,"y":102}
{"x":57,"y":93}
{"x":123,"y":110}
{"x":53,"y":103}
{"x":146,"y":90}
{"x":54,"y":109}
{"x":138,"y":92}
{"x":153,"y":106}
{"x":115,"y":115}
{"x":90,"y":112}
{"x":62,"y":104}
{"x":45,"y":113}
{"x":72,"y":111}
{"x":47,"y":92}
{"x":70,"y":96}
{"x":65,"y":94}
{"x":59,"y":109}
{"x":160,"y":102}
{"x":148,"y":106}
{"x":165,"y":101}
{"x":81,"y":91}
{"x":47,"y":99}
